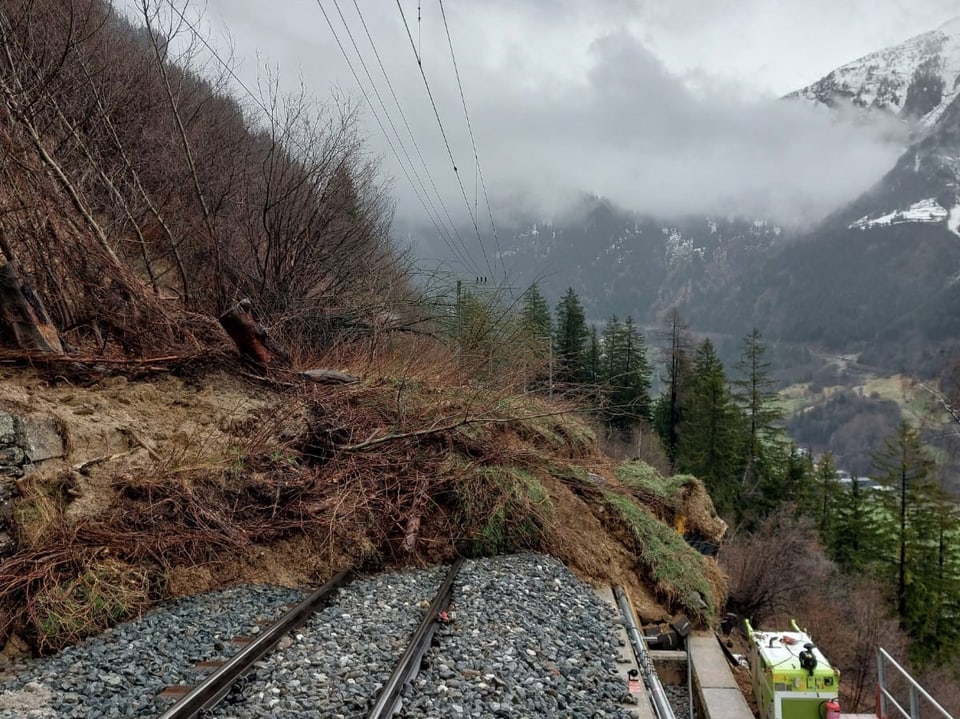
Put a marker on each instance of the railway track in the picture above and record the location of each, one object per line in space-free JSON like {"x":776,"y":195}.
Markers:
{"x":525,"y":638}
{"x":201,"y":699}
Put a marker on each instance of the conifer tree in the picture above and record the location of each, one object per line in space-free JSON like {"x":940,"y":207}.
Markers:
{"x":570,"y":339}
{"x":798,"y":487}
{"x":903,"y":467}
{"x":594,"y":365}
{"x":710,"y":430}
{"x":933,"y":592}
{"x":536,"y":336}
{"x":612,"y":333}
{"x":854,"y":540}
{"x":756,"y":395}
{"x":668,"y":412}
{"x":536,"y":313}
{"x":828,"y":496}
{"x":626,"y":373}
{"x":758,"y":402}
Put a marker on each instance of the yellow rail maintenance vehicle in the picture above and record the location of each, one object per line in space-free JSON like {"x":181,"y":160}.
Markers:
{"x":792,"y":679}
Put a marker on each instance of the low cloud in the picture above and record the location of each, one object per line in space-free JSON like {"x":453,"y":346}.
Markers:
{"x":631,"y":131}
{"x":567,"y":97}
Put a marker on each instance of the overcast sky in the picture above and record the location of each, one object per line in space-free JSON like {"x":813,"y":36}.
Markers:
{"x":662,"y":105}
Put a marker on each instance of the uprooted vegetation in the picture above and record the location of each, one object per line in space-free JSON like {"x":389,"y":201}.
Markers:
{"x":298,"y":483}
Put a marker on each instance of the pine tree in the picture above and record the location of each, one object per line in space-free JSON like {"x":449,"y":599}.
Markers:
{"x":799,"y":487}
{"x":668,"y":411}
{"x":854,"y":541}
{"x":535,"y":314}
{"x":626,"y":373}
{"x":756,"y":395}
{"x":917,"y":528}
{"x":570,"y":339}
{"x":758,"y":403}
{"x":828,"y":495}
{"x":933,"y":587}
{"x":594,"y":364}
{"x":710,"y":430}
{"x":612,"y":334}
{"x":536,"y":338}
{"x":902,"y":466}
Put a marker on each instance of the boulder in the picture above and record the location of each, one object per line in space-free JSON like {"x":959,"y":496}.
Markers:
{"x":27,"y":439}
{"x":42,"y":439}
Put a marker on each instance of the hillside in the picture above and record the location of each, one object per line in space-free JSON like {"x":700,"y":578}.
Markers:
{"x":152,"y":227}
{"x":187,"y":480}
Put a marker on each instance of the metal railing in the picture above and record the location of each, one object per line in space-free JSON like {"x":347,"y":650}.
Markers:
{"x":885,"y":698}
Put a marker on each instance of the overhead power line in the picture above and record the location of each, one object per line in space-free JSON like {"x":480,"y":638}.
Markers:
{"x":441,"y":231}
{"x":443,"y":134}
{"x":406,"y":123}
{"x":473,"y":141}
{"x":383,"y":129}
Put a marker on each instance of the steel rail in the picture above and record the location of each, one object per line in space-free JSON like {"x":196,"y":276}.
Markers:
{"x":658,"y":697}
{"x":408,"y":665}
{"x":216,"y":686}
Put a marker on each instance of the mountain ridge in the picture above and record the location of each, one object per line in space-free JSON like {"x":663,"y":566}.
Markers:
{"x":887,"y":261}
{"x":916,"y":79}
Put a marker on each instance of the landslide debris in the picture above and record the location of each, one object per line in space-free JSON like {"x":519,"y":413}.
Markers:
{"x":176,"y":485}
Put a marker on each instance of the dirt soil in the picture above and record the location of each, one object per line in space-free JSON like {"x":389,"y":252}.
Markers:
{"x":116,"y":426}
{"x":117,"y":429}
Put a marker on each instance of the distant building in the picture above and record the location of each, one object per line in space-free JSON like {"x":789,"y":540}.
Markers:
{"x":845,"y":479}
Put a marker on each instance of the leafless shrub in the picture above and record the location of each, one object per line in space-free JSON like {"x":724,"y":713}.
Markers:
{"x":772,"y":567}
{"x":137,"y":191}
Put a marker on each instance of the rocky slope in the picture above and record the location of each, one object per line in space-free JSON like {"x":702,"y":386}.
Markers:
{"x":169,"y":485}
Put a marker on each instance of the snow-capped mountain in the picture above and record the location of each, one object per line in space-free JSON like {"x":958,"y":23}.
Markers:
{"x":880,"y":275}
{"x":885,"y":269}
{"x":919,"y":81}
{"x":915,"y":80}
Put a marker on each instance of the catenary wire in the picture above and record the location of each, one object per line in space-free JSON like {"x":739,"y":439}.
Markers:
{"x":441,"y":230}
{"x":443,"y":134}
{"x":473,"y":142}
{"x":383,"y":129}
{"x":403,"y":117}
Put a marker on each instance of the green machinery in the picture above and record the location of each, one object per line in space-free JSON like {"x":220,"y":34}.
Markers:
{"x":791,"y":677}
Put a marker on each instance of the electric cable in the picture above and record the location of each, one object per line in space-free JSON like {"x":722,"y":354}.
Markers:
{"x":406,"y":123}
{"x":473,"y":141}
{"x":442,"y":232}
{"x":383,"y":129}
{"x":443,"y":134}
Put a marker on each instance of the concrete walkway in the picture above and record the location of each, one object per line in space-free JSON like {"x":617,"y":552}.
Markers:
{"x":718,"y":696}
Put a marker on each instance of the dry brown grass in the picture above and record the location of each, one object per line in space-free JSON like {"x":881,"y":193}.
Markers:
{"x":398,"y":469}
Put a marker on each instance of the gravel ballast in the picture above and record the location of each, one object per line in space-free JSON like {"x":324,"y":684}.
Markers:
{"x":526,"y":639}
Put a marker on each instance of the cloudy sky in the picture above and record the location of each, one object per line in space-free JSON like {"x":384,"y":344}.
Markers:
{"x":664,"y":106}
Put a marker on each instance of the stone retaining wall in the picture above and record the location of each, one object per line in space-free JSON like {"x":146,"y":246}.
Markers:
{"x":25,"y":440}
